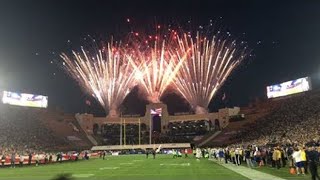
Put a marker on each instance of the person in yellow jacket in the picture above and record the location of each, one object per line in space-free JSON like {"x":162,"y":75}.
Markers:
{"x":233,"y":156}
{"x":276,"y":157}
{"x":304,"y":160}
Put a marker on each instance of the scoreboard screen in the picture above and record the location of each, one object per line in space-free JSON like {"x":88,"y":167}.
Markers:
{"x":23,"y":99}
{"x":289,"y":87}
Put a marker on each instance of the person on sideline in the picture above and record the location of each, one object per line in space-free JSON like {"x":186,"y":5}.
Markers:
{"x":297,"y":159}
{"x":276,"y":157}
{"x":313,"y":158}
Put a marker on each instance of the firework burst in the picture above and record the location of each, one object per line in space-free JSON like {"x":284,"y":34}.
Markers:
{"x":208,"y":64}
{"x":105,"y":74}
{"x":156,"y":67}
{"x":195,"y":67}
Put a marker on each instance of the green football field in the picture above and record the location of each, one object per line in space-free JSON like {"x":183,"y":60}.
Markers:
{"x":127,"y":167}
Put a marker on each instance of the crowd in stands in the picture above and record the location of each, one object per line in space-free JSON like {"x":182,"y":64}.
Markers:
{"x":184,"y":131}
{"x":286,"y":137}
{"x":24,"y":133}
{"x":295,"y":122}
{"x":185,"y":128}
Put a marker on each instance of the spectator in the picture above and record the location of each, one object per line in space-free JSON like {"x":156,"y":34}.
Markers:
{"x":304,"y":160}
{"x":29,"y":158}
{"x":276,"y":157}
{"x":248,"y":158}
{"x":21,"y":159}
{"x":12,"y":160}
{"x":3,"y":160}
{"x":297,"y":159}
{"x":313,"y":157}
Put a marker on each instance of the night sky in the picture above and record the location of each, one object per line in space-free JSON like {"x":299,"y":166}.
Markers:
{"x":284,"y":38}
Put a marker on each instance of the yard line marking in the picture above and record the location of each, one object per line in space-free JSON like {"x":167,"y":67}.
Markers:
{"x":82,"y":175}
{"x":137,"y":160}
{"x":126,"y":163}
{"x":182,"y":164}
{"x":106,"y":168}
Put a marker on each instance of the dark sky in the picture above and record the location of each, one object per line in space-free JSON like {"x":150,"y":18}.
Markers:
{"x":31,"y":31}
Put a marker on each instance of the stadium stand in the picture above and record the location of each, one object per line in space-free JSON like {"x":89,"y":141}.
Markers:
{"x":248,"y":116}
{"x":287,"y":121}
{"x":65,"y":127}
{"x":188,"y":128}
{"x":295,"y":121}
{"x":176,"y":132}
{"x":24,"y":129}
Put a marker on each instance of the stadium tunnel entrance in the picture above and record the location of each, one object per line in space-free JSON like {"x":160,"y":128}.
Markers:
{"x":156,"y":123}
{"x":217,"y":124}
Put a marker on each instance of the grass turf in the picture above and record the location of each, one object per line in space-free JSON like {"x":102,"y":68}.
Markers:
{"x":127,"y":167}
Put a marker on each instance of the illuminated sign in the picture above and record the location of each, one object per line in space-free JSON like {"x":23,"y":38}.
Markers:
{"x":289,"y":87}
{"x":22,"y":99}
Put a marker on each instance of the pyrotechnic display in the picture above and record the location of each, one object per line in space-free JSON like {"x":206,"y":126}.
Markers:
{"x":194,"y":66}
{"x":155,"y":69}
{"x":209,"y":62}
{"x":105,"y":75}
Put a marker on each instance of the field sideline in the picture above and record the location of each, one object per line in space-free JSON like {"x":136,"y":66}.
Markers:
{"x":127,"y":167}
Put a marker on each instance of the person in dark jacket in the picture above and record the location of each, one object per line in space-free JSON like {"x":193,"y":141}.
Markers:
{"x":3,"y":160}
{"x":313,"y":158}
{"x":103,"y":155}
{"x":13,"y":159}
{"x":154,"y":154}
{"x":30,"y":158}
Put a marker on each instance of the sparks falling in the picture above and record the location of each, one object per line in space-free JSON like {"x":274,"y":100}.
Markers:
{"x":195,"y":66}
{"x":106,"y":74}
{"x":208,"y":64}
{"x":156,"y":68}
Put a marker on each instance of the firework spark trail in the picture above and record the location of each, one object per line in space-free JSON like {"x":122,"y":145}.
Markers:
{"x":156,"y":69}
{"x":107,"y":75}
{"x":207,"y":66}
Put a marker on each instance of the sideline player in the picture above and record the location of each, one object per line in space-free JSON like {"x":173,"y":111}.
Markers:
{"x":198,"y":154}
{"x":147,"y":153}
{"x":103,"y":155}
{"x":185,"y":153}
{"x":154,"y":154}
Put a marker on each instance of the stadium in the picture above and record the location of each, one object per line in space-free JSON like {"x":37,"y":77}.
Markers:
{"x":274,"y":135}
